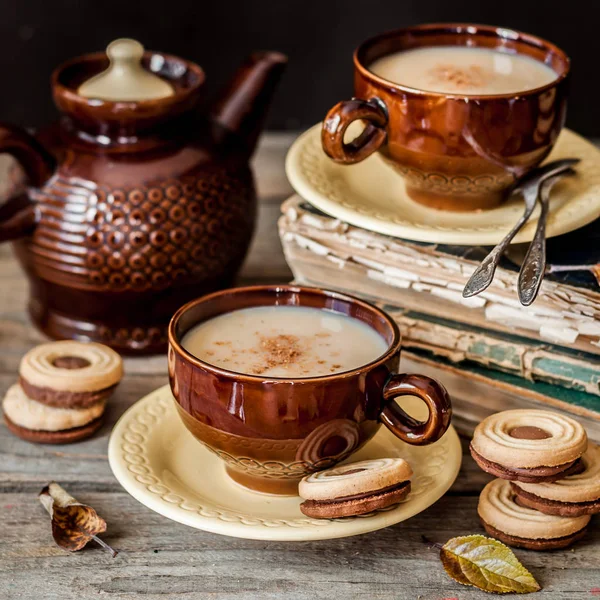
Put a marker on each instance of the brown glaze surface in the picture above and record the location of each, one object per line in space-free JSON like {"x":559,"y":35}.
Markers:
{"x":272,"y":431}
{"x":136,"y":207}
{"x":455,"y":153}
{"x":433,"y":394}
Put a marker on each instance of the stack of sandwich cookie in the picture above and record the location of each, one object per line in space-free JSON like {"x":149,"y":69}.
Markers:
{"x":62,"y":391}
{"x":524,"y":527}
{"x":356,"y":488}
{"x":548,"y":479}
{"x":573,"y":496}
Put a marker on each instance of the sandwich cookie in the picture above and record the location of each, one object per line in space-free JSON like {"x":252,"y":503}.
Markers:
{"x":36,"y":422}
{"x":524,"y":527}
{"x":62,"y":391}
{"x":573,"y":496}
{"x":70,"y":374}
{"x":355,"y":489}
{"x":529,"y":446}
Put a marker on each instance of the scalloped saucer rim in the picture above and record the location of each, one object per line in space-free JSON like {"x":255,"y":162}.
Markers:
{"x":371,"y":195}
{"x":149,"y":453}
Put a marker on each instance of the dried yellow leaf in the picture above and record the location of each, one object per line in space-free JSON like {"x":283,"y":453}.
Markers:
{"x":486,"y":564}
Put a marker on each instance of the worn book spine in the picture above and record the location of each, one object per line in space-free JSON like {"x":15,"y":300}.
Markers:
{"x":478,"y":393}
{"x":457,"y":343}
{"x":460,"y":342}
{"x":532,"y":362}
{"x":430,"y":279}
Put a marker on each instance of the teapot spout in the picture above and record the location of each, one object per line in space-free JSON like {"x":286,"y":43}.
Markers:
{"x":242,"y":105}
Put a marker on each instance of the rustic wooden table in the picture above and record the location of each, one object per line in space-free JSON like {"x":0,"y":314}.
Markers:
{"x":162,"y":559}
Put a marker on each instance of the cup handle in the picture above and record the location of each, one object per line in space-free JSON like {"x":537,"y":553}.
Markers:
{"x":402,"y":425}
{"x":339,"y":118}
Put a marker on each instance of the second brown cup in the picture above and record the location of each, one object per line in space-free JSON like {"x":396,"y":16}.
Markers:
{"x":455,"y":152}
{"x":272,"y":431}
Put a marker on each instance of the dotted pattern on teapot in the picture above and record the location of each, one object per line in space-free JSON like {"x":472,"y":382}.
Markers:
{"x":177,"y":230}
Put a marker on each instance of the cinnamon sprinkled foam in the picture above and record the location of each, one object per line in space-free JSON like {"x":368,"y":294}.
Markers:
{"x":285,"y":341}
{"x":463,"y":70}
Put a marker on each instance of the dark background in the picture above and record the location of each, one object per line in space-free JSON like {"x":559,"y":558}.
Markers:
{"x":318,"y":36}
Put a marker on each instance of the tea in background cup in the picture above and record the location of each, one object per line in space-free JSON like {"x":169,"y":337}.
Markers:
{"x":460,"y":111}
{"x":463,"y":70}
{"x":283,"y":381}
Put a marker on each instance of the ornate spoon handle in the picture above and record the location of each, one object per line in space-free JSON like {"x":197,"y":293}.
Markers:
{"x":530,"y":187}
{"x":484,"y":273}
{"x":534,"y":264}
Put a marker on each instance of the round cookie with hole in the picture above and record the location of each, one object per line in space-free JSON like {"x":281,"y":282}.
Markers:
{"x":529,"y":446}
{"x":515,"y":525}
{"x":573,"y":496}
{"x":70,"y":374}
{"x":356,"y":488}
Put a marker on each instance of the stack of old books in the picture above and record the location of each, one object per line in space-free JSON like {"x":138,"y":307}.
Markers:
{"x":489,"y":351}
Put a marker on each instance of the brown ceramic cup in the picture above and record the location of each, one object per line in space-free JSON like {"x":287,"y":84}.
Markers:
{"x":271,"y":431}
{"x":454,"y":152}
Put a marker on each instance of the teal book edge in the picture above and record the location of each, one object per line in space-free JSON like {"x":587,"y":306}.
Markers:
{"x":508,"y":353}
{"x":568,"y":396}
{"x":517,"y":356}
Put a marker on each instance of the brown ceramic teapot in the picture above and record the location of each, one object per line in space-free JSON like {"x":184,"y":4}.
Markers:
{"x":136,"y":205}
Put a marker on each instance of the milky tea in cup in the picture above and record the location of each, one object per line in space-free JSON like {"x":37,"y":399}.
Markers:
{"x":463,"y":70}
{"x":285,"y":341}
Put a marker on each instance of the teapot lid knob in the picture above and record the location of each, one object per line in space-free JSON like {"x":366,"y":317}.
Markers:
{"x":125,"y":80}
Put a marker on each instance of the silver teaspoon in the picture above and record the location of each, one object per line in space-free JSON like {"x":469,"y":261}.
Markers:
{"x":529,"y":188}
{"x":534,"y":263}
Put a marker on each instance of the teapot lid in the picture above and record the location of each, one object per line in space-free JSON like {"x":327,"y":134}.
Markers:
{"x":125,"y":80}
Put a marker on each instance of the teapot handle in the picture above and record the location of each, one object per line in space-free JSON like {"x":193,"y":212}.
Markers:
{"x":16,"y":217}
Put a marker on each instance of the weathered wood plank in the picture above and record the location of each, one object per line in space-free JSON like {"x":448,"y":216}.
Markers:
{"x":160,"y":559}
{"x":265,"y":262}
{"x":269,"y":167}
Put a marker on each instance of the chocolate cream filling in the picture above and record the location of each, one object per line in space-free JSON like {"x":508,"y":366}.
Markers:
{"x":534,"y":543}
{"x":529,"y":432}
{"x":536,"y":474}
{"x":71,"y":362}
{"x":386,"y":490}
{"x":64,"y":436}
{"x":557,"y":507}
{"x":64,"y":399}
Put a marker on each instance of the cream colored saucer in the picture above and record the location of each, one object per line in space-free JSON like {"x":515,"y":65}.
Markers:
{"x":372,"y":196}
{"x":160,"y":464}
